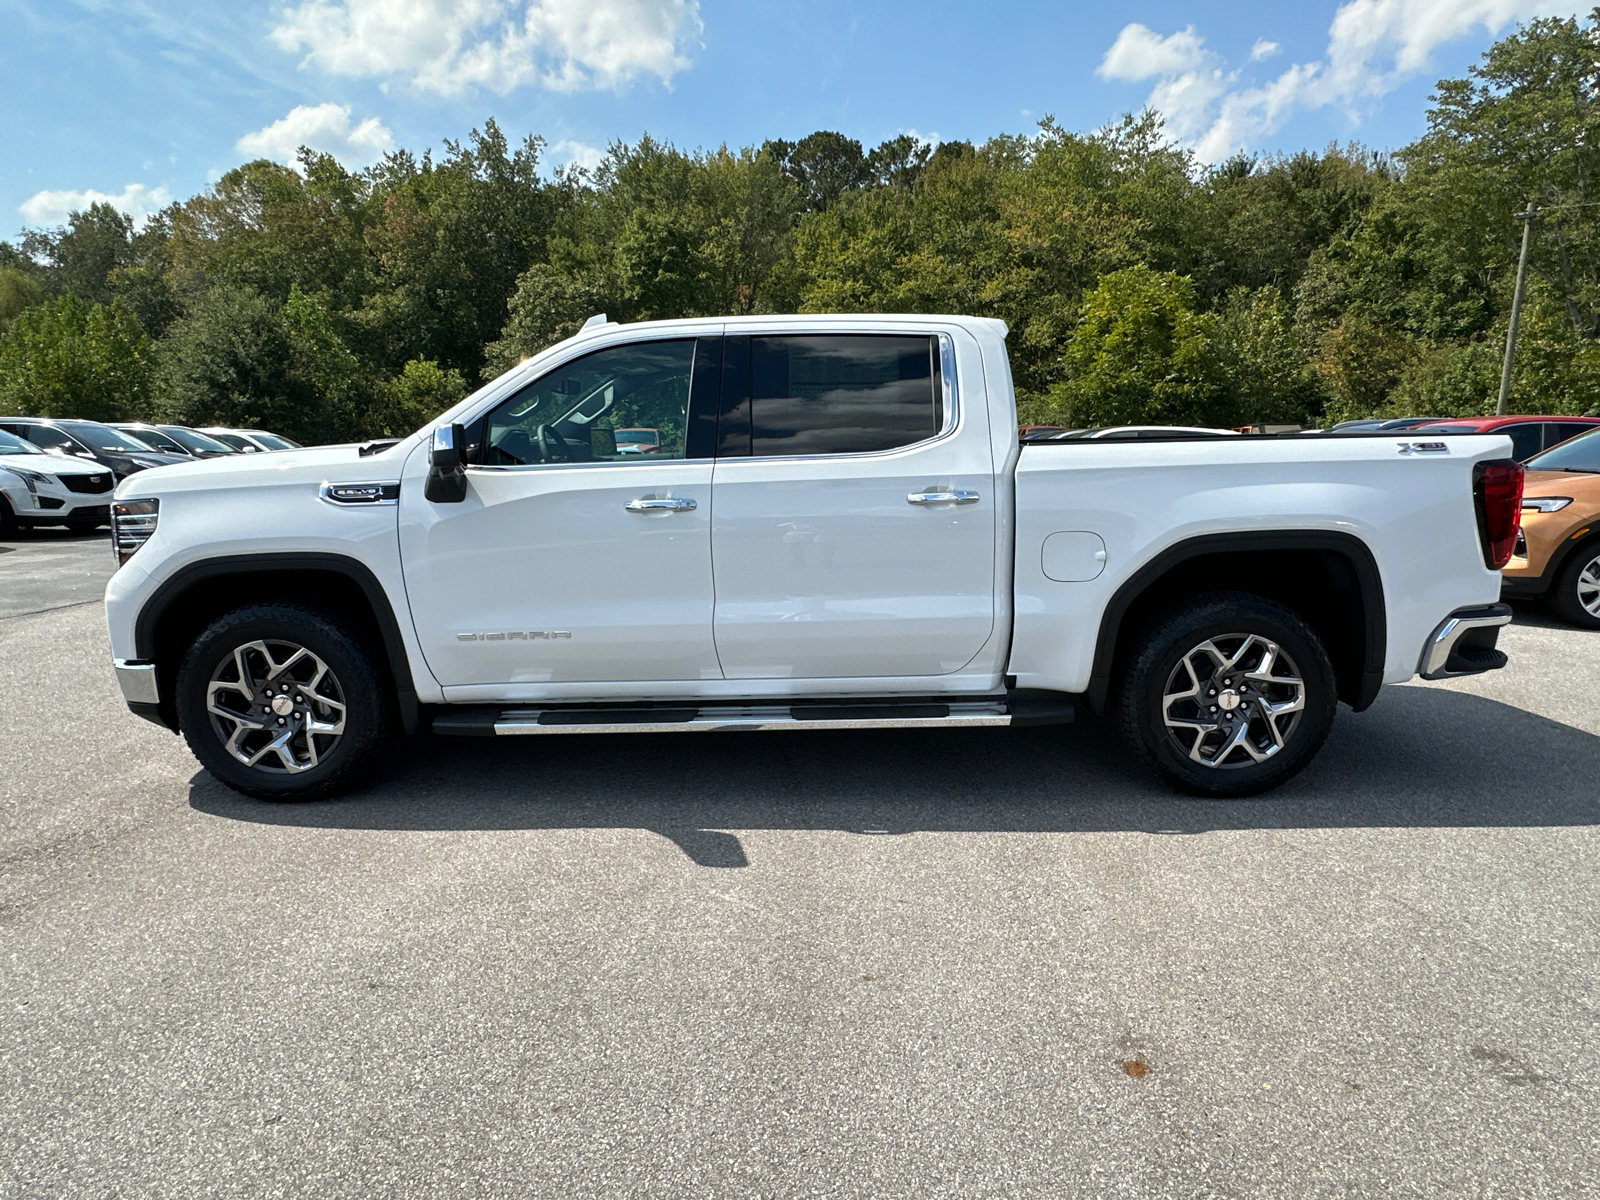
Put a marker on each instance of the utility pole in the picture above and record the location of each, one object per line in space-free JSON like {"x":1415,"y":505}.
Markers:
{"x":1516,"y":307}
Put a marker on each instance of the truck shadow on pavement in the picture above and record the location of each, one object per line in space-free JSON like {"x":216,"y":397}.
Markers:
{"x":1421,"y":757}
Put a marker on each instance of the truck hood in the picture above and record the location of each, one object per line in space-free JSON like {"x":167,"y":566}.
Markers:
{"x":313,"y":464}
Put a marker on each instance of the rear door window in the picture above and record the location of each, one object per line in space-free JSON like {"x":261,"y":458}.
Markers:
{"x":843,"y":394}
{"x":1562,"y":430}
{"x":1526,"y":440}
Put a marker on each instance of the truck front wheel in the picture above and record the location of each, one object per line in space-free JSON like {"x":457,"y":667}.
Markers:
{"x":1227,"y":694}
{"x":282,"y":701}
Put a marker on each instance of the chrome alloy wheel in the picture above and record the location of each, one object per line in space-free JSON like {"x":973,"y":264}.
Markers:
{"x":1589,"y":587}
{"x":1233,"y":701}
{"x":276,"y":706}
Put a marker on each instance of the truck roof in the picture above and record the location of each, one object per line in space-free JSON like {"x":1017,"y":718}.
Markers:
{"x":798,"y":321}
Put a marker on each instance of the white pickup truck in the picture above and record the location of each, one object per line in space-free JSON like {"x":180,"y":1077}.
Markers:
{"x":835,"y":527}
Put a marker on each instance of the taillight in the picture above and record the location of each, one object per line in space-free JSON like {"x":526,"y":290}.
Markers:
{"x":1497,"y":493}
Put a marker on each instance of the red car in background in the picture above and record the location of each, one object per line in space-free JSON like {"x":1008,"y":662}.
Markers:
{"x":1529,"y":435}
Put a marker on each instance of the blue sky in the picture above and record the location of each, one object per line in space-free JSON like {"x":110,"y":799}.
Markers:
{"x":146,"y":101}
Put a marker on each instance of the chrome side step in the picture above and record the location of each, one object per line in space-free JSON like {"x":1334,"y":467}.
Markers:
{"x":735,"y":718}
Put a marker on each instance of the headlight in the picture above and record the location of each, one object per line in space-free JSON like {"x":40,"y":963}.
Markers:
{"x":132,"y":523}
{"x":1545,"y":503}
{"x":31,"y":478}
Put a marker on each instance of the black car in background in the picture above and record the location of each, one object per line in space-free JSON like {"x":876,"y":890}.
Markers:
{"x":174,"y":439}
{"x":89,"y":439}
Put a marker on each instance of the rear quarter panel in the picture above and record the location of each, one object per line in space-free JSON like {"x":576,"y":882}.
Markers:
{"x":1413,"y":511}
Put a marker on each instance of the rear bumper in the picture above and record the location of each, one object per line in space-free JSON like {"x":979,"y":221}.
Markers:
{"x":1464,"y":643}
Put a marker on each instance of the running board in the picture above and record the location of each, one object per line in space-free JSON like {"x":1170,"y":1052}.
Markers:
{"x":483,"y":721}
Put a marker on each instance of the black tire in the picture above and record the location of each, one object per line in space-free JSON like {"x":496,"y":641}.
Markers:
{"x":1155,"y":682}
{"x":324,"y":763}
{"x":1567,"y":593}
{"x":8,"y":519}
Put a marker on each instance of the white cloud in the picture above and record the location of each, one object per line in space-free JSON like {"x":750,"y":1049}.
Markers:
{"x":324,"y":127}
{"x":1373,"y":46}
{"x":578,"y":154}
{"x":450,"y":46}
{"x":53,"y":208}
{"x":1140,"y":53}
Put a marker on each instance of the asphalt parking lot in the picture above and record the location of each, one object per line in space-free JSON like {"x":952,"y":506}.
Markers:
{"x":983,"y":963}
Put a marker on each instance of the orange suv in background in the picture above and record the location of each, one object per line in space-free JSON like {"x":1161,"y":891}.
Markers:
{"x":1557,"y":556}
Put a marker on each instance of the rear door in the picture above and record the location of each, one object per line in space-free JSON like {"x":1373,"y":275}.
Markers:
{"x":853,"y":528}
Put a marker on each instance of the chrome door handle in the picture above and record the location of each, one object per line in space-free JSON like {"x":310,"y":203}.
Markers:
{"x":659,"y":505}
{"x":950,"y":497}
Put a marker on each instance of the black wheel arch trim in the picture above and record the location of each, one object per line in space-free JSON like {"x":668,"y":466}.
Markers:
{"x":1352,"y":548}
{"x":181,"y":580}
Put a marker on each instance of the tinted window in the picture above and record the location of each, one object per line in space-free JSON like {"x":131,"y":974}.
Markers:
{"x":11,"y":444}
{"x":1578,"y":454}
{"x":273,"y":442}
{"x":104,"y":439}
{"x":839,"y":394}
{"x":1526,"y":440}
{"x":44,"y":435}
{"x":197,"y":441}
{"x":155,"y":439}
{"x":574,"y":414}
{"x":1563,"y":430}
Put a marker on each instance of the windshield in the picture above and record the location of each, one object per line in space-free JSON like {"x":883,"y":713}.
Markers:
{"x":643,"y":437}
{"x":15,"y":445}
{"x":1581,"y":453}
{"x":196,"y":441}
{"x":153,"y":438}
{"x":103,"y":438}
{"x":234,"y":440}
{"x":273,"y":442}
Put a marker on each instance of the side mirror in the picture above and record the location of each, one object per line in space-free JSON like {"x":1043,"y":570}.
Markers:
{"x":447,"y":466}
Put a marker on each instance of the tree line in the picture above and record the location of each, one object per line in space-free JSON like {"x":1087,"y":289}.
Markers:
{"x":1139,"y":285}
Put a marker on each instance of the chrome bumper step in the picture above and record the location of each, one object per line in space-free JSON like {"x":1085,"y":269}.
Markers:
{"x":484,"y":721}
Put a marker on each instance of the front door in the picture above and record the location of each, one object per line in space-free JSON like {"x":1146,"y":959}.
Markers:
{"x":854,"y":523}
{"x":577,"y":556}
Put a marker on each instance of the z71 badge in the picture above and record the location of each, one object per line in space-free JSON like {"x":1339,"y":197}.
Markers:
{"x":515,"y":635}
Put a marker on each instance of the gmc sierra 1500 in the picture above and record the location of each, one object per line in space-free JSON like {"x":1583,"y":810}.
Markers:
{"x":837,"y":527}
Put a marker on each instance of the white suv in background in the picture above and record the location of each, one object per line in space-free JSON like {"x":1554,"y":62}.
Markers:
{"x":37,"y":488}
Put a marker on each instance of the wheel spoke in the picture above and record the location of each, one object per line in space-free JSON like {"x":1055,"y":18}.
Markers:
{"x":258,"y":675}
{"x":1589,"y":587}
{"x":1248,"y":677}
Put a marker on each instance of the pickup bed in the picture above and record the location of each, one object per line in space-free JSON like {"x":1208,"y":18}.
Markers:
{"x":837,"y":527}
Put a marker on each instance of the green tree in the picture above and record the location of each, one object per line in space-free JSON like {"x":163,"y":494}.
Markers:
{"x":65,"y":358}
{"x":238,"y":358}
{"x":1270,"y":373}
{"x":17,"y":292}
{"x":1142,"y":355}
{"x":412,"y":399}
{"x":80,"y":257}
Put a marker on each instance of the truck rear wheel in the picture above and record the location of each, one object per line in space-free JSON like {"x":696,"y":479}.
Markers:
{"x":1227,"y":694}
{"x":282,"y":701}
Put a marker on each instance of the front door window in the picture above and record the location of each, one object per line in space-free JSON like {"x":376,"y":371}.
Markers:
{"x":624,"y":404}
